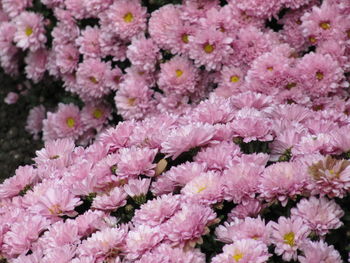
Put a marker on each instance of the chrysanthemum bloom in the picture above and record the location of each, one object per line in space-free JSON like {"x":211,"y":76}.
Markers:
{"x":11,"y":98}
{"x":34,"y":124}
{"x":142,"y":239}
{"x":76,"y":8}
{"x":209,"y":48}
{"x":193,"y":10}
{"x":331,"y":177}
{"x":167,"y":253}
{"x":282,"y":181}
{"x":259,"y":8}
{"x":110,"y":201}
{"x":186,"y":226}
{"x":126,"y":18}
{"x":36,"y":64}
{"x":134,"y":98}
{"x":95,"y":7}
{"x":136,"y":188}
{"x":14,"y":7}
{"x":249,"y":209}
{"x":91,"y":83}
{"x":18,"y":240}
{"x":135,"y":161}
{"x":90,"y":221}
{"x":320,"y":73}
{"x":322,"y":23}
{"x":186,"y":137}
{"x":315,"y":252}
{"x":178,"y":75}
{"x":240,"y":181}
{"x":30,"y":31}
{"x":56,"y":153}
{"x":231,"y":80}
{"x":112,"y":45}
{"x":25,"y":177}
{"x":218,"y":156}
{"x":243,"y":251}
{"x":157,"y":211}
{"x":320,"y":214}
{"x":248,"y":228}
{"x":66,"y":121}
{"x":88,"y":42}
{"x":95,"y":115}
{"x":143,"y":53}
{"x":204,"y":189}
{"x":251,"y":125}
{"x":56,"y":202}
{"x":103,"y":244}
{"x":288,"y":235}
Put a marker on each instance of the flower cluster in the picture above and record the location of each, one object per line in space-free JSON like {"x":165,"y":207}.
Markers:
{"x":225,"y":121}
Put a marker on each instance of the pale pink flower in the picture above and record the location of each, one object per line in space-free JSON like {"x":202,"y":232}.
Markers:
{"x":193,"y":10}
{"x":288,"y":235}
{"x":137,"y":187}
{"x":282,"y":181}
{"x":126,"y":18}
{"x":89,"y":222}
{"x":143,"y":53}
{"x":259,"y":8}
{"x":319,"y":214}
{"x":11,"y":98}
{"x":142,"y":239}
{"x":157,"y":211}
{"x":76,"y":8}
{"x":111,"y":201}
{"x":35,"y":119}
{"x":187,"y":226}
{"x":178,"y":76}
{"x":245,"y":251}
{"x":186,"y":137}
{"x":95,"y":7}
{"x":315,"y":252}
{"x":88,"y":42}
{"x":13,"y":8}
{"x":30,"y":31}
{"x":95,"y":115}
{"x":249,"y":209}
{"x":36,"y":64}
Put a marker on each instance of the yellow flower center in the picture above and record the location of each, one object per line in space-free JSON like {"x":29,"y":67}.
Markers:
{"x":29,"y":31}
{"x":269,"y":68}
{"x":289,"y":239}
{"x":70,"y":122}
{"x":208,"y":48}
{"x":312,"y":40}
{"x":201,"y":189}
{"x":97,"y":113}
{"x":184,"y":38}
{"x":234,"y":79}
{"x":93,"y":80}
{"x":55,"y":210}
{"x":325,"y":25}
{"x":238,"y":256}
{"x":131,"y":101}
{"x":128,"y":17}
{"x":179,"y":73}
{"x":319,"y":75}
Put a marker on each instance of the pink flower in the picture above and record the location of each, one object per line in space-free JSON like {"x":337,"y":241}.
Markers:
{"x":25,"y":177}
{"x":143,"y":53}
{"x":231,"y":80}
{"x":245,"y":251}
{"x":111,"y":201}
{"x":36,"y":64}
{"x":282,"y":181}
{"x":288,"y":235}
{"x":314,"y":252}
{"x":187,"y":226}
{"x":209,"y":48}
{"x":95,"y":7}
{"x":259,"y":8}
{"x":249,"y":209}
{"x":142,"y":239}
{"x":186,"y":137}
{"x":126,"y":18}
{"x":95,"y":115}
{"x":330,"y":177}
{"x":157,"y":211}
{"x":88,"y":42}
{"x":92,"y":83}
{"x":30,"y":31}
{"x":136,"y":161}
{"x":178,"y":76}
{"x":11,"y":98}
{"x":137,"y":188}
{"x":35,"y":119}
{"x":14,"y":8}
{"x":320,"y":215}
